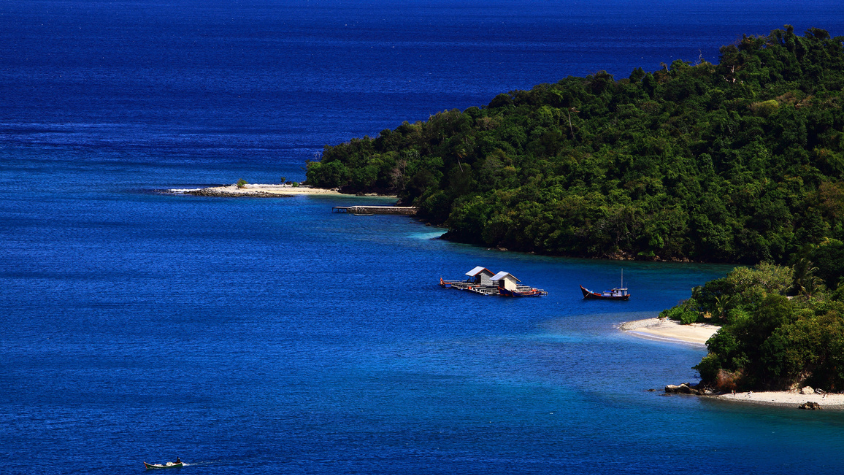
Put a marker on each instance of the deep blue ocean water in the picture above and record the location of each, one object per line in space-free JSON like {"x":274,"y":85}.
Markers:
{"x":272,"y":336}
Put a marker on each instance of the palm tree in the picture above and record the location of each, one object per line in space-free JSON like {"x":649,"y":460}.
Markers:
{"x":805,"y":281}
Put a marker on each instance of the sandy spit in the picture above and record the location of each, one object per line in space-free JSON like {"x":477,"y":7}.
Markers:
{"x":263,"y":190}
{"x":670,"y":330}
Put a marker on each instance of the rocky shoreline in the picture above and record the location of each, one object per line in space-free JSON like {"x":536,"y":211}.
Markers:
{"x":223,"y":192}
{"x":805,"y":398}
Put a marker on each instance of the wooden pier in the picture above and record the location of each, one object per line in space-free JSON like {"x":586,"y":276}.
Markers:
{"x":368,"y":210}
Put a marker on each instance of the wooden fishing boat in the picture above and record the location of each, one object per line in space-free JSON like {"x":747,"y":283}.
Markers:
{"x":619,"y":293}
{"x":613,"y":294}
{"x":156,"y":466}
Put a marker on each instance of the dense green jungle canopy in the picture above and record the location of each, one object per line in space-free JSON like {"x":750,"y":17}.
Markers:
{"x":736,"y":162}
{"x":781,"y":328}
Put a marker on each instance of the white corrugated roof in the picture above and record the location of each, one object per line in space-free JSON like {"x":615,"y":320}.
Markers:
{"x":502,"y":275}
{"x":477,"y":270}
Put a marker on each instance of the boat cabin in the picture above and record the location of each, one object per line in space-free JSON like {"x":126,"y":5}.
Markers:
{"x":618,"y":293}
{"x":480,"y":276}
{"x":505,"y":280}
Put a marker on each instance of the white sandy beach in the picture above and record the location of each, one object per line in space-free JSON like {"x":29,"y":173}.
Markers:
{"x":697,"y":334}
{"x":257,"y":189}
{"x":670,"y":330}
{"x":785,"y":398}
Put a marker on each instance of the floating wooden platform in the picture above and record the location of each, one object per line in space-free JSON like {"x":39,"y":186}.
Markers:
{"x":367,"y":210}
{"x":489,"y":289}
{"x":470,"y":286}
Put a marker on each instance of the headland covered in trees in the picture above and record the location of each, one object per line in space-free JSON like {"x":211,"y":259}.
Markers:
{"x":739,"y":162}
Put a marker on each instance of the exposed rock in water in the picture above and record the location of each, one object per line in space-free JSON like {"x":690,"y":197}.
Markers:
{"x":688,"y":388}
{"x":681,"y":389}
{"x":812,"y":406}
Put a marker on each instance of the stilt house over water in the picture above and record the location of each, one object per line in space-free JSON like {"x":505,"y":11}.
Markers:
{"x":505,"y":280}
{"x":481,"y":275}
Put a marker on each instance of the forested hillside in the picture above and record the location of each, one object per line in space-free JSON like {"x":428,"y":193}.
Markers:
{"x":781,"y":328}
{"x":739,"y":161}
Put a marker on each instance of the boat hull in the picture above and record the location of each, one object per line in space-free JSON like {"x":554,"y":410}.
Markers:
{"x":158,"y":466}
{"x":588,"y":294}
{"x":514,"y":293}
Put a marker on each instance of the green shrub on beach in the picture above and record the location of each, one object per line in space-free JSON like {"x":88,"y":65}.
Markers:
{"x":241,"y":183}
{"x":684,"y":313}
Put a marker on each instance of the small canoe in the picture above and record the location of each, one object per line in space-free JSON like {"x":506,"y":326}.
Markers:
{"x":156,"y":466}
{"x":614,"y":294}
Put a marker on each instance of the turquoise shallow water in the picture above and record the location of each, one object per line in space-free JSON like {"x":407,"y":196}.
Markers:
{"x":272,"y":336}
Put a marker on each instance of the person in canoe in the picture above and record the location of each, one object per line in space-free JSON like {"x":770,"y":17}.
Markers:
{"x":152,"y":466}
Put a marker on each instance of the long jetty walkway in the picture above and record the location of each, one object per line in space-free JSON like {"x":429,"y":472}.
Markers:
{"x":404,"y":210}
